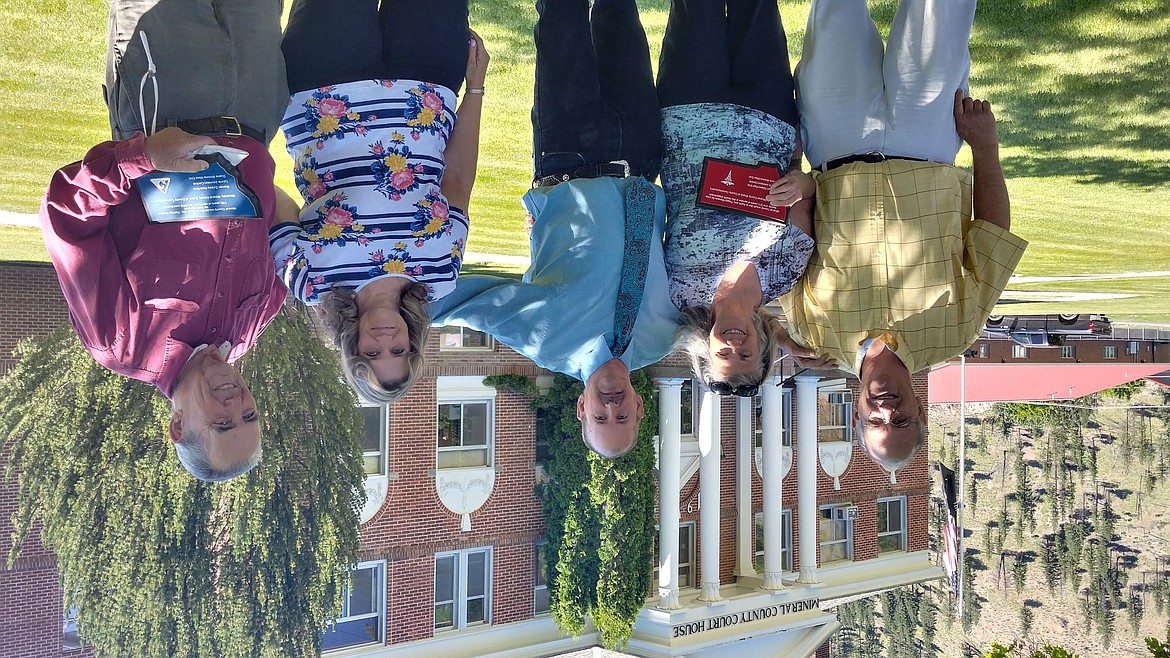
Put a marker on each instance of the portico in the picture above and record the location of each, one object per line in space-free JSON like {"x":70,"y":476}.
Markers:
{"x":781,"y":609}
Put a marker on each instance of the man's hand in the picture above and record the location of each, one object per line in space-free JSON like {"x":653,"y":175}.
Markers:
{"x":975,"y":122}
{"x":170,"y":149}
{"x":477,"y":61}
{"x":792,"y":187}
{"x":803,"y":356}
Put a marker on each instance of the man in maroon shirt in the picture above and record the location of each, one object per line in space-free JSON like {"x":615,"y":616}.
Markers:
{"x":171,"y":304}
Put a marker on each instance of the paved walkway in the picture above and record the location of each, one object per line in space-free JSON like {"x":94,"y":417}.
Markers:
{"x":29,"y":220}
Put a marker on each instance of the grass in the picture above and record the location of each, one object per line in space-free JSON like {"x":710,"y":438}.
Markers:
{"x":1079,"y":87}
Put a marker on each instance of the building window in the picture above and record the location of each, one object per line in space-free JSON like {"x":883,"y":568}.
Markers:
{"x":984,"y":350}
{"x":69,"y":637}
{"x":785,"y":541}
{"x":836,"y":533}
{"x":377,"y":422}
{"x":686,"y":555}
{"x":462,"y":338}
{"x":465,"y":434}
{"x":834,"y":416}
{"x":543,"y":454}
{"x":891,"y":524}
{"x":363,"y":609}
{"x":1131,"y":347}
{"x":540,"y":604}
{"x":1110,"y":352}
{"x":1019,"y":352}
{"x":462,"y":586}
{"x":785,"y":430}
{"x":688,"y":413}
{"x":1068,"y":351}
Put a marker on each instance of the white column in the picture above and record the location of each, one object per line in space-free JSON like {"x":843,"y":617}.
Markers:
{"x":709,"y":475}
{"x":669,"y":472}
{"x":772,"y":424}
{"x":745,"y":520}
{"x":806,"y":474}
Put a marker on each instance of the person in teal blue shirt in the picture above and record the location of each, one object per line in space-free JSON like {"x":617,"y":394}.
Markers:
{"x":594,"y":304}
{"x":562,"y":314}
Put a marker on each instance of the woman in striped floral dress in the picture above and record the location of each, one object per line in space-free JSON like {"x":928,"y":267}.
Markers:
{"x":385,"y":166}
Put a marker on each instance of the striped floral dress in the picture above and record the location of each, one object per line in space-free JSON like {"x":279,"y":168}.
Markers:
{"x":368,"y":161}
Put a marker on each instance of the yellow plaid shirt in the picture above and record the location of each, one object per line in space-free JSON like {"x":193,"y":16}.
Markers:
{"x":898,"y":257}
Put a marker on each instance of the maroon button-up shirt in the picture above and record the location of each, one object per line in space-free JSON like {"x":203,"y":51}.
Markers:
{"x":141,"y":296}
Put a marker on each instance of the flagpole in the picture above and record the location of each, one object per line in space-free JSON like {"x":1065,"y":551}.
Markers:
{"x":962,"y":471}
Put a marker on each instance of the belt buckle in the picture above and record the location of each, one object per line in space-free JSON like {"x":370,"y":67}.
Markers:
{"x":877,"y":156}
{"x":232,"y":132}
{"x":625,"y":167}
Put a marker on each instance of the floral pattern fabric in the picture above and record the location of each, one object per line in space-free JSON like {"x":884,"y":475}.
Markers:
{"x":702,"y":243}
{"x":368,"y":160}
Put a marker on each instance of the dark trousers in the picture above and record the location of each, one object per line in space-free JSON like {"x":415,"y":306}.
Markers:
{"x":329,"y":42}
{"x":594,"y":98}
{"x":727,"y":51}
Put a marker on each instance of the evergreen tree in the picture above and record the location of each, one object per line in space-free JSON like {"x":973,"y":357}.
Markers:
{"x":1106,"y":529}
{"x":1135,"y":609}
{"x":971,"y":600}
{"x":928,"y":621}
{"x":972,"y":493}
{"x":1050,"y":562}
{"x":1019,"y":572}
{"x":1026,"y":617}
{"x":157,"y":563}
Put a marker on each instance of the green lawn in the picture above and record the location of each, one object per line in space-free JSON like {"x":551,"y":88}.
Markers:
{"x":1080,"y":87}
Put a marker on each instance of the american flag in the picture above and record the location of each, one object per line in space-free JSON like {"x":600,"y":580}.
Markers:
{"x":950,"y":536}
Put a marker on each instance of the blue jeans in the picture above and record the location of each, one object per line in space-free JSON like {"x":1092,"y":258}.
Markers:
{"x":212,"y":58}
{"x":727,"y":51}
{"x":329,"y":42}
{"x":594,"y":97}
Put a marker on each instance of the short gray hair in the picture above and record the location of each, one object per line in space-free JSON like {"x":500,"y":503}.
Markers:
{"x":612,"y":455}
{"x":191,"y":450}
{"x":339,"y":313}
{"x":694,"y":337}
{"x":887,"y":463}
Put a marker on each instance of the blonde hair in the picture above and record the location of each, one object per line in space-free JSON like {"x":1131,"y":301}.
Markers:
{"x":694,"y":337}
{"x":339,"y":313}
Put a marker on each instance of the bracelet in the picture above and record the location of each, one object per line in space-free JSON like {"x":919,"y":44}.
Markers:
{"x":478,"y":91}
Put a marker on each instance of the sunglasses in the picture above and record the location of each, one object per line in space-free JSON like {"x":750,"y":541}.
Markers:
{"x":723,"y":388}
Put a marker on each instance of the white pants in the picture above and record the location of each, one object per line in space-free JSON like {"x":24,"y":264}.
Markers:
{"x":854,"y":98}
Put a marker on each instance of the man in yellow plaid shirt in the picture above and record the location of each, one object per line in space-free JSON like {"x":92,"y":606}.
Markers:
{"x":912,"y":253}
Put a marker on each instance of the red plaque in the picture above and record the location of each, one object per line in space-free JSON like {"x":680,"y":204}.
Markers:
{"x":740,"y":188}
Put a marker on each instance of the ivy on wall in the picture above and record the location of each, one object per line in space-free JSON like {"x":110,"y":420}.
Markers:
{"x":599,"y":513}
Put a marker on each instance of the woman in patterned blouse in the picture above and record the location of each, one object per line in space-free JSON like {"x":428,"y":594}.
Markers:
{"x":385,"y":171}
{"x":726,"y":91}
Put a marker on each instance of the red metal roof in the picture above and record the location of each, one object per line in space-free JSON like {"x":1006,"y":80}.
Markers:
{"x":1022,"y":382}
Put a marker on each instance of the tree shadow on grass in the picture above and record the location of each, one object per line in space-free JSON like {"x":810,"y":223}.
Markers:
{"x":1070,"y":78}
{"x":1076,"y":76}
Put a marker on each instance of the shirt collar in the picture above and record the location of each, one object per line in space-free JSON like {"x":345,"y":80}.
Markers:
{"x":864,"y":347}
{"x":223,"y":348}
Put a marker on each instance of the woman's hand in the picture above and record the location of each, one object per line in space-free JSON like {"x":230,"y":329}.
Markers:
{"x":477,"y":61}
{"x":791,"y":188}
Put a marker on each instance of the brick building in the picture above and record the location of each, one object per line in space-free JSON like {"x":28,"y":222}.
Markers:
{"x":1123,"y":346}
{"x":451,"y":535}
